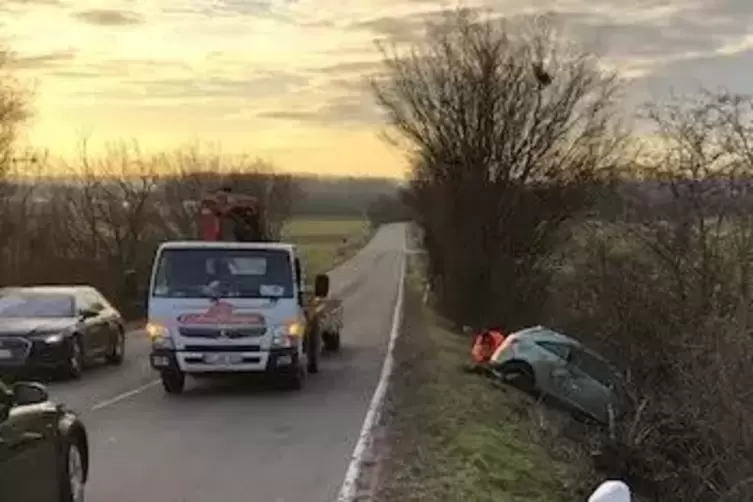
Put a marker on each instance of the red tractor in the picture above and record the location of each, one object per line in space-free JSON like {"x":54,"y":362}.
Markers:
{"x":227,"y":216}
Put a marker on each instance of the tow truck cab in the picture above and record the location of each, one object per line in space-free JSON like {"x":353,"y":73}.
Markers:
{"x":229,"y":307}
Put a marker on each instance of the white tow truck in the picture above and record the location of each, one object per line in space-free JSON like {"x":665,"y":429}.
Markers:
{"x":235,"y":302}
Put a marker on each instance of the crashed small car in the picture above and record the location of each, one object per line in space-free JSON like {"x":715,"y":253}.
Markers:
{"x":543,"y":361}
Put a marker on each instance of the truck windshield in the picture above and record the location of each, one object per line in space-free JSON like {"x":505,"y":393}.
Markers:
{"x":238,"y":273}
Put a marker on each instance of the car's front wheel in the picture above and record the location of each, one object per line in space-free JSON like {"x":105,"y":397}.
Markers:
{"x":519,"y":374}
{"x":117,"y":350}
{"x":74,"y":472}
{"x":74,"y":364}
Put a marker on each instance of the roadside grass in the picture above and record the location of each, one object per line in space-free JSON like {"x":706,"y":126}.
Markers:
{"x":326,"y":242}
{"x":451,"y":436}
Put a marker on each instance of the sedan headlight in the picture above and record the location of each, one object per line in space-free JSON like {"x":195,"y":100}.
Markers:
{"x":287,"y":335}
{"x":159,"y":335}
{"x":54,"y":338}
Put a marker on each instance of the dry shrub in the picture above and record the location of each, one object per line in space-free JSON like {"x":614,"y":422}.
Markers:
{"x":666,"y":294}
{"x":100,"y":220}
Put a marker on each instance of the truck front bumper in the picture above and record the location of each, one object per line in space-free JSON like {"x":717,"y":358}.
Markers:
{"x":272,"y":361}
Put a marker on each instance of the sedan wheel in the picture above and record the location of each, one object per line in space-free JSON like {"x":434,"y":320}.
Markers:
{"x":76,"y":479}
{"x":117,"y":351}
{"x":75,"y":363}
{"x":520,"y":375}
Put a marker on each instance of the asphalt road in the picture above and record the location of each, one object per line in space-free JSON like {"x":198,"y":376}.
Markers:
{"x":238,"y":440}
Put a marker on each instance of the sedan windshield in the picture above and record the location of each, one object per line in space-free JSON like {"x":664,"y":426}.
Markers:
{"x":36,"y":305}
{"x":239,"y":273}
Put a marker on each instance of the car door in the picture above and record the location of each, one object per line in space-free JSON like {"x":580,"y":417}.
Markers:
{"x":93,"y":332}
{"x":590,"y":389}
{"x":110,"y":318}
{"x":28,"y":455}
{"x":559,"y":378}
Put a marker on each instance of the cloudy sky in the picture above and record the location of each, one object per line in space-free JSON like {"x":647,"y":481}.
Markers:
{"x":283,"y":79}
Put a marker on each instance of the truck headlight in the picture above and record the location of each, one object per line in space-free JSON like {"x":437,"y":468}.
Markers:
{"x":287,"y":335}
{"x":159,"y":335}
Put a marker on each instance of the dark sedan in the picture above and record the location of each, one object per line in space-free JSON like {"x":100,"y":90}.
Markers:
{"x":58,"y":328}
{"x":44,"y":452}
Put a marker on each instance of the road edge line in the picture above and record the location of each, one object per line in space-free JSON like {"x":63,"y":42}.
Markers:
{"x":349,"y":486}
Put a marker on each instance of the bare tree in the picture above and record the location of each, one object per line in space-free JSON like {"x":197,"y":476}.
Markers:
{"x":509,"y":129}
{"x":667,"y":295}
{"x":13,"y":110}
{"x":99,"y":221}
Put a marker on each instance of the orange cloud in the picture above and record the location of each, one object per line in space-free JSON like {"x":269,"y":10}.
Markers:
{"x":285,"y":79}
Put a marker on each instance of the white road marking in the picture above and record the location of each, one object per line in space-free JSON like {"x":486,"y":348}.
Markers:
{"x":125,"y":395}
{"x":349,"y":486}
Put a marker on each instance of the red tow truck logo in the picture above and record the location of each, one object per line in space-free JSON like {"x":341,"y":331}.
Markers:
{"x":221,"y":313}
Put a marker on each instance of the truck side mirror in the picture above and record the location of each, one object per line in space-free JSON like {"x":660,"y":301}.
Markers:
{"x":321,"y":285}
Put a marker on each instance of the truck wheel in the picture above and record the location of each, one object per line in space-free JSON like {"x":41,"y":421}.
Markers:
{"x":331,"y":342}
{"x":312,"y":352}
{"x":297,"y":379}
{"x":173,"y":381}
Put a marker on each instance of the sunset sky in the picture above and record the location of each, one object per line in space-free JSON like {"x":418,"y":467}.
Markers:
{"x":284,"y":79}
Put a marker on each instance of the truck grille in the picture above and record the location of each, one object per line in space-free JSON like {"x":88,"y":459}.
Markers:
{"x":222,"y":348}
{"x":215,"y":333}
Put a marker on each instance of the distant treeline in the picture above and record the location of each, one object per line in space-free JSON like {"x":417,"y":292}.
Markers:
{"x":340,"y":196}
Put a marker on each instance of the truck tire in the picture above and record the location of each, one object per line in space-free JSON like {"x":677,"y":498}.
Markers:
{"x":295,"y":380}
{"x":331,"y":341}
{"x":312,"y":351}
{"x":173,"y":381}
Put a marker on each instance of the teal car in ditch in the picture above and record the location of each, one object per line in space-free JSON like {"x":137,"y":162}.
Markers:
{"x":543,"y":361}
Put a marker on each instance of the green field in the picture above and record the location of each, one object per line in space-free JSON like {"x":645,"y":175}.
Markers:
{"x":326,"y":242}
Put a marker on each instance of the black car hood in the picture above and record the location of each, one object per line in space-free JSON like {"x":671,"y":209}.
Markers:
{"x":25,"y":326}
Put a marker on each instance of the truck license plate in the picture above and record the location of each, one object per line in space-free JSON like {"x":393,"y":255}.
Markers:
{"x":5,"y":354}
{"x":223,"y":358}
